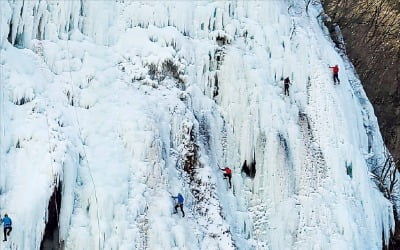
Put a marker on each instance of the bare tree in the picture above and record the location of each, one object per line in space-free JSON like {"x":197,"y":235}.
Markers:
{"x":386,"y":177}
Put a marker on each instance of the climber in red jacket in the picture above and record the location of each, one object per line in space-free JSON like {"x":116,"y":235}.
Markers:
{"x":228,"y":173}
{"x":335,"y":70}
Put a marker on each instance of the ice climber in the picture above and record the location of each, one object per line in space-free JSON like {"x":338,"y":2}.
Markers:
{"x":179,"y":203}
{"x":7,"y":226}
{"x":228,"y":173}
{"x":286,"y":83}
{"x":335,"y":71}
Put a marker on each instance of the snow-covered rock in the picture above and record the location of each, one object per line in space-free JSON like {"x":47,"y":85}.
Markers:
{"x":123,"y":104}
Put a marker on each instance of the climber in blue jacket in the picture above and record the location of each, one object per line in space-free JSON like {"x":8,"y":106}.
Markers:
{"x":7,"y":226}
{"x":179,"y":203}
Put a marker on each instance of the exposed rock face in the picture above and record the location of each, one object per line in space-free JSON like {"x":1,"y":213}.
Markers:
{"x":371,"y":31}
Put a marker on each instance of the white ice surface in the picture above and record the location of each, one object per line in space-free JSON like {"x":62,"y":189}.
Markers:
{"x":104,"y":97}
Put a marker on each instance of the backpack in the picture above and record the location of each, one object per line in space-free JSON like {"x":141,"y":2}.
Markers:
{"x":336,"y":69}
{"x":286,"y":81}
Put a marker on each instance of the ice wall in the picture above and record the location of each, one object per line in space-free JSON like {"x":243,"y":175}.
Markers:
{"x":125,"y":103}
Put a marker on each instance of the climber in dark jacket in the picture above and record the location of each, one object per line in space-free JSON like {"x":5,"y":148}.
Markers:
{"x":179,"y":203}
{"x":7,"y":226}
{"x":228,"y":174}
{"x":286,"y":83}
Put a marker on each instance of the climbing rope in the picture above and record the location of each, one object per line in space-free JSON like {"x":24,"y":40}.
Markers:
{"x":2,"y":107}
{"x":2,"y":126}
{"x":83,"y":146}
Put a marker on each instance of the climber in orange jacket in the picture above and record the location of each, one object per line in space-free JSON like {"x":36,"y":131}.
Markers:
{"x":335,"y":71}
{"x":228,"y":173}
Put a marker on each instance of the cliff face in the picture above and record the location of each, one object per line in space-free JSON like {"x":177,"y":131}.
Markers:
{"x":109,"y":108}
{"x":371,"y":38}
{"x":371,"y":31}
